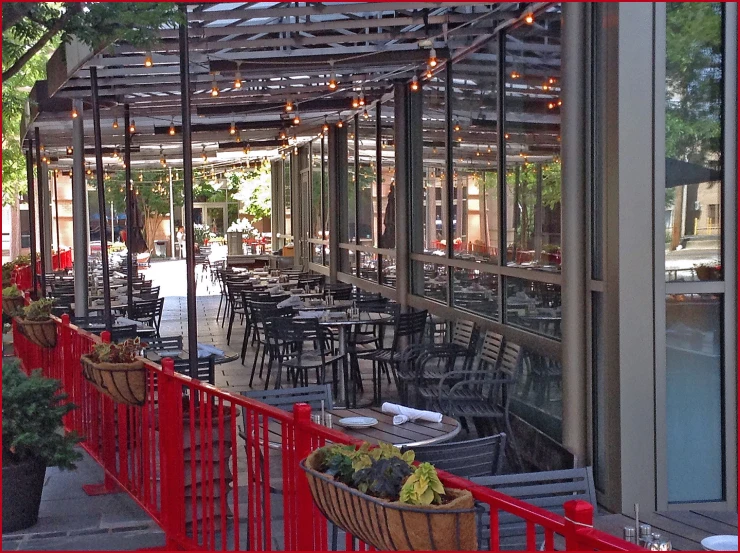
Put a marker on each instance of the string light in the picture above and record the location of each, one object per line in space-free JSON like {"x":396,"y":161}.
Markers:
{"x":488,"y":149}
{"x":75,"y":114}
{"x":172,"y":127}
{"x":203,"y":155}
{"x":162,"y":157}
{"x":88,"y":171}
{"x":246,"y":150}
{"x":355,"y":102}
{"x":288,"y":106}
{"x":551,"y":105}
{"x":132,"y":127}
{"x":238,"y":136}
{"x":238,"y":76}
{"x":70,"y":150}
{"x":432,"y":58}
{"x":361,"y":99}
{"x":325,"y":127}
{"x":365,"y":114}
{"x":529,"y":18}
{"x":214,"y":87}
{"x":148,"y":62}
{"x":340,"y":123}
{"x":515,"y":74}
{"x":415,"y":83}
{"x":457,"y":127}
{"x":297,"y":119}
{"x":115,"y":123}
{"x":428,"y":74}
{"x":232,"y":129}
{"x":283,"y":135}
{"x":333,"y":78}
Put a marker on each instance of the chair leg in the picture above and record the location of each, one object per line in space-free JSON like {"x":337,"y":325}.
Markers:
{"x":245,"y":342}
{"x":231,"y":324}
{"x":254,"y":364}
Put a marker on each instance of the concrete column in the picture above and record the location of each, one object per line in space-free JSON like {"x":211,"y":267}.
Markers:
{"x":79,"y":213}
{"x":337,"y":154}
{"x":574,"y":132}
{"x":45,"y":203}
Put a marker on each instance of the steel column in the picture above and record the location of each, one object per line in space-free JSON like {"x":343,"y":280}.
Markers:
{"x":130,"y":199}
{"x":31,"y":215}
{"x":403,"y":182}
{"x":324,"y":191}
{"x":80,"y":224}
{"x":172,"y":215}
{"x":379,"y":186}
{"x":99,"y":173}
{"x":40,"y":201}
{"x":187,"y":170}
{"x":56,"y":209}
{"x":501,"y":166}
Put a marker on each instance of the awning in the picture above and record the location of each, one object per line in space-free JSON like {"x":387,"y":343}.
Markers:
{"x":679,"y":173}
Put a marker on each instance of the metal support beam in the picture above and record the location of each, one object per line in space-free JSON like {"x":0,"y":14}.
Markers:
{"x":501,"y":169}
{"x":80,"y":224}
{"x":379,"y":186}
{"x":403,"y":182}
{"x":40,"y":200}
{"x":130,"y":199}
{"x":100,"y":173}
{"x":56,"y":208}
{"x":172,"y":217}
{"x":337,"y":184}
{"x":31,"y":215}
{"x":187,"y":171}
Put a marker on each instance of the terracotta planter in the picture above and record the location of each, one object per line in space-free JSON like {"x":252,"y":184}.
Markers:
{"x":123,"y":382}
{"x":394,"y":526}
{"x":41,"y":333}
{"x":707,"y":273}
{"x":12,"y":305}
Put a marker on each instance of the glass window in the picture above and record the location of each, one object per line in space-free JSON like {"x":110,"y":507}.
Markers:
{"x":351,"y":183}
{"x":694,"y":398}
{"x":287,"y":195}
{"x":316,"y":191}
{"x":475,"y":291}
{"x":533,"y":306}
{"x":538,"y":395}
{"x":430,"y":281}
{"x":532,"y":134}
{"x":388,"y":166}
{"x":369,"y":266}
{"x":693,"y":141}
{"x":388,"y":275}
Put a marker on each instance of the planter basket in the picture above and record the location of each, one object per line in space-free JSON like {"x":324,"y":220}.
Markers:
{"x":123,"y":382}
{"x":705,"y":272}
{"x":12,"y":305}
{"x":41,"y":333}
{"x":394,"y":526}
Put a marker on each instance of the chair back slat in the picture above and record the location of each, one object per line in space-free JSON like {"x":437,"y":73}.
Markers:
{"x":479,"y":457}
{"x":511,"y":360}
{"x":464,"y":334}
{"x":491,"y":349}
{"x":285,"y":398}
{"x":206,"y":368}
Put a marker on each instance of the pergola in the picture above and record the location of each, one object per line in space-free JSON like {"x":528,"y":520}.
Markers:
{"x":229,"y":83}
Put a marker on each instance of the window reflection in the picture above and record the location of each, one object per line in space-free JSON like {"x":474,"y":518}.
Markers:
{"x":534,"y":306}
{"x":430,"y":280}
{"x":434,"y":199}
{"x":693,"y":120}
{"x":475,"y":291}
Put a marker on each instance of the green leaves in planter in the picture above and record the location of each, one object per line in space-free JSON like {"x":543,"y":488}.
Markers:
{"x":39,"y":310}
{"x":383,"y":478}
{"x":423,"y":487}
{"x":12,"y":291}
{"x":32,"y":419}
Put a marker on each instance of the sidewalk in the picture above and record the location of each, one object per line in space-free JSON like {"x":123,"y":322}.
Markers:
{"x":71,"y":520}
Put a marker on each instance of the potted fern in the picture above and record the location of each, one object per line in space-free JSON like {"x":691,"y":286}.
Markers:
{"x":117,"y":371}
{"x":32,"y":418}
{"x":36,"y":323}
{"x":381,"y":497}
{"x":12,"y":300}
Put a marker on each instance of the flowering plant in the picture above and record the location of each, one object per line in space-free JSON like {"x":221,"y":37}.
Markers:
{"x":244,"y":226}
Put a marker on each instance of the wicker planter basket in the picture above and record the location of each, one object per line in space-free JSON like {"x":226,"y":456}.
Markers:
{"x":12,"y":305}
{"x":41,"y":333}
{"x":394,"y":526}
{"x":123,"y":382}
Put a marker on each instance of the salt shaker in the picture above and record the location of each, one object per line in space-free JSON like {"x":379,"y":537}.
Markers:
{"x":628,"y":533}
{"x":645,"y":535}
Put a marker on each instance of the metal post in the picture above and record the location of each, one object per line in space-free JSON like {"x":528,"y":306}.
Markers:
{"x":323,"y":200}
{"x":101,"y":196}
{"x":403,"y":178}
{"x":187,"y":170}
{"x":80,"y":224}
{"x":42,"y":233}
{"x":130,"y":199}
{"x":501,"y":167}
{"x":56,"y":206}
{"x":172,"y":217}
{"x":379,"y":187}
{"x":31,"y":215}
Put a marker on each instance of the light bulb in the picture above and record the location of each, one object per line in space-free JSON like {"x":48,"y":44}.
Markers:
{"x":232,"y":129}
{"x":297,"y":119}
{"x":115,"y":123}
{"x":214,"y":87}
{"x":515,"y":74}
{"x":551,"y":105}
{"x":361,"y":99}
{"x":506,"y":135}
{"x":415,"y":83}
{"x":457,"y":126}
{"x":238,"y":136}
{"x":488,"y":149}
{"x":132,"y":127}
{"x":432,"y":58}
{"x":70,"y":150}
{"x":365,"y":114}
{"x":283,"y":135}
{"x":325,"y":127}
{"x":172,"y":127}
{"x":238,"y":79}
{"x":75,"y":114}
{"x":288,"y":106}
{"x":355,"y":102}
{"x":246,"y":150}
{"x":148,"y":62}
{"x":429,"y":73}
{"x":340,"y":123}
{"x":529,"y":18}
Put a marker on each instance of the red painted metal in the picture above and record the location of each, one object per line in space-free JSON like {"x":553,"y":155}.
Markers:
{"x":182,"y":457}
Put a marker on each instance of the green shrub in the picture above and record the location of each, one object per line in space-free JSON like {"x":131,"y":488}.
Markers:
{"x":12,"y":291}
{"x":125,"y":352}
{"x":32,"y":419}
{"x":38,"y":310}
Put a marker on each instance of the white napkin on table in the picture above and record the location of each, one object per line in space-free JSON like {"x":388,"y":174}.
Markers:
{"x":311,"y":314}
{"x":404,"y":414}
{"x":276,"y":289}
{"x":292,"y":301}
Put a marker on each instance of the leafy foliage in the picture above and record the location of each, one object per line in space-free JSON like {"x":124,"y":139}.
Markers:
{"x":39,"y":310}
{"x":254,"y":189}
{"x":422,"y":487}
{"x":32,"y":419}
{"x":125,"y":352}
{"x":12,"y":291}
{"x":384,"y":478}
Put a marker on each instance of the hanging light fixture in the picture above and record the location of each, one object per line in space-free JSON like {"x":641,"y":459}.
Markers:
{"x":283,"y":134}
{"x":246,"y":150}
{"x":203,"y":155}
{"x":415,"y":83}
{"x":162,"y":157}
{"x":428,"y":74}
{"x":132,"y":127}
{"x":325,"y":127}
{"x":529,"y":18}
{"x":340,"y":123}
{"x":70,"y":150}
{"x":365,"y":114}
{"x":296,"y":119}
{"x":432,"y":58}
{"x":457,"y":126}
{"x":74,"y":114}
{"x":148,"y":62}
{"x":238,"y":136}
{"x":88,"y":170}
{"x":115,"y":123}
{"x":361,"y":98}
{"x":288,"y":105}
{"x":488,"y":149}
{"x":282,"y":155}
{"x":214,"y":87}
{"x":333,"y":78}
{"x":232,"y":129}
{"x":238,"y":76}
{"x":172,"y":127}
{"x":515,"y":74}
{"x":355,"y":102}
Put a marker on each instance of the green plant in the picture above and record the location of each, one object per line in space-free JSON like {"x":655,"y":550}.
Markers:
{"x":383,"y":478}
{"x":32,"y":417}
{"x":422,"y":487}
{"x":22,"y":260}
{"x":39,"y":310}
{"x":125,"y":352}
{"x":8,"y":271}
{"x":12,"y":291}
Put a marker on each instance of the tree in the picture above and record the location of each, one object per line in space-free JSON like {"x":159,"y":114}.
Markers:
{"x":524,"y":194}
{"x":253,"y":188}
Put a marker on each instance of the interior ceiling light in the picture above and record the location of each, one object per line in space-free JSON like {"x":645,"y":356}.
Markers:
{"x":172,"y":127}
{"x":115,"y":123}
{"x":214,"y":87}
{"x":333,"y":78}
{"x":238,"y":77}
{"x":132,"y":127}
{"x":148,"y":62}
{"x":415,"y":83}
{"x":432,"y":58}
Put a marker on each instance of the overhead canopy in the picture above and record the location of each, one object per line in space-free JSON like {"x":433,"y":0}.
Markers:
{"x":680,"y":173}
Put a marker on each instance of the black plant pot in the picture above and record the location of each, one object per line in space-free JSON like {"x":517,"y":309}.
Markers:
{"x":22,"y":487}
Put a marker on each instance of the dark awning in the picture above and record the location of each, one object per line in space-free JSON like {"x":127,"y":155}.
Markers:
{"x":679,"y":173}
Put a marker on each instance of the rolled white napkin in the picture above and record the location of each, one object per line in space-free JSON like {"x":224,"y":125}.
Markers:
{"x":311,"y":314}
{"x":276,"y":289}
{"x":412,"y":414}
{"x":292,"y":301}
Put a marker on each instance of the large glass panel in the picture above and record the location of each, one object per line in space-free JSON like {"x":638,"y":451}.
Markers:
{"x":316,"y":192}
{"x":430,"y":280}
{"x":694,"y":398}
{"x":366,"y":179}
{"x":475,"y":291}
{"x":287,"y":195}
{"x":532,"y":133}
{"x":533,"y":306}
{"x":369,"y":266}
{"x":388,"y":274}
{"x":388,"y":201}
{"x":538,"y":396}
{"x":693,"y":141}
{"x":434,"y":220}
{"x":351,"y":183}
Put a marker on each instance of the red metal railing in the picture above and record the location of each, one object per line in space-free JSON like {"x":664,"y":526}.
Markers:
{"x":220,"y":472}
{"x":23,"y":277}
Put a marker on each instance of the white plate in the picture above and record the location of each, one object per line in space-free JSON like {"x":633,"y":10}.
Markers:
{"x":720,"y":543}
{"x":358,"y":422}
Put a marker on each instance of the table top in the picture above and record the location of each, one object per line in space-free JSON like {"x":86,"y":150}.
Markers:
{"x":364,"y":318}
{"x":685,"y":529}
{"x":409,"y":434}
{"x":152,"y":355}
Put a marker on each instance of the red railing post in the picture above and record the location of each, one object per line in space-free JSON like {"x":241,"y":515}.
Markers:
{"x":302,"y":419}
{"x":172,"y":460}
{"x":578,"y":514}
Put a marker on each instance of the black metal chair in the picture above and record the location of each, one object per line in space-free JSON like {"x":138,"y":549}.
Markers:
{"x":479,"y":457}
{"x":235,"y":290}
{"x":285,"y":398}
{"x":148,"y":312}
{"x":261,"y":311}
{"x":164,"y":343}
{"x":339,"y":290}
{"x":206,"y":368}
